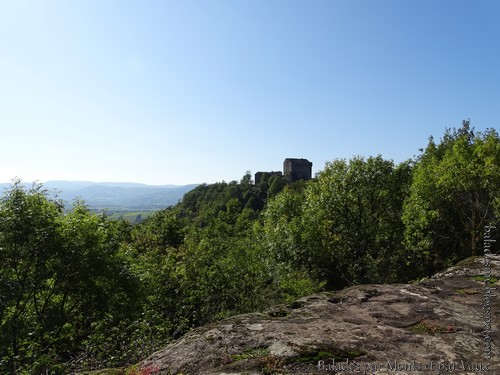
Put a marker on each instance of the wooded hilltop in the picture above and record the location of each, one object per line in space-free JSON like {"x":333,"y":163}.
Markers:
{"x":79,"y":291}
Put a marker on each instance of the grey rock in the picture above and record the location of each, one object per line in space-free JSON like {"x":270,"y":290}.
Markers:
{"x":435,"y":326}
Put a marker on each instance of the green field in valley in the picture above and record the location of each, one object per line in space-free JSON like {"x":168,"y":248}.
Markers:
{"x":131,"y":216}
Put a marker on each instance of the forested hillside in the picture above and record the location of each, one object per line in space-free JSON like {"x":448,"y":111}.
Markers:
{"x":79,"y":291}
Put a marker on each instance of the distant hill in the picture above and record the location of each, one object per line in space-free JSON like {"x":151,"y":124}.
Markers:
{"x":116,"y":196}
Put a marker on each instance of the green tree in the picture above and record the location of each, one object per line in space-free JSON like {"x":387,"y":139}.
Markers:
{"x":454,"y":194}
{"x":98,"y":289}
{"x":29,"y":245}
{"x":353,"y":220}
{"x":61,"y":277}
{"x":162,"y":230}
{"x":276,"y":185}
{"x":247,"y":178}
{"x":346,"y":227}
{"x":283,"y":227}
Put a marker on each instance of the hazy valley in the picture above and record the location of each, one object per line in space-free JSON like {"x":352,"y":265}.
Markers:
{"x":116,"y":196}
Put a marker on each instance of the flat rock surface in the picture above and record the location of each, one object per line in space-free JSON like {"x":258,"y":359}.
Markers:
{"x":436,"y":326}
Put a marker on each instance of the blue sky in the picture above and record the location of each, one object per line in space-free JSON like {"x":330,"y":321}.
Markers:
{"x":178,"y":92}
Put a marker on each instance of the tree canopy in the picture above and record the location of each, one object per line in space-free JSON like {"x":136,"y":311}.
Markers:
{"x":454,"y":193}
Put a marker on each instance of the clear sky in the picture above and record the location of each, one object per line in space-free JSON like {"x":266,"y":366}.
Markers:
{"x":178,"y":92}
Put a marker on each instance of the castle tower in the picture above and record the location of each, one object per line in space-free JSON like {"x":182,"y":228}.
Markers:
{"x":297,"y":169}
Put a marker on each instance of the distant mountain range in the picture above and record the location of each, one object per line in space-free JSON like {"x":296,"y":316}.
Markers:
{"x":116,"y":196}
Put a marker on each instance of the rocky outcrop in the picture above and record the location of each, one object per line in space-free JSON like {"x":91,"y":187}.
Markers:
{"x":435,"y":326}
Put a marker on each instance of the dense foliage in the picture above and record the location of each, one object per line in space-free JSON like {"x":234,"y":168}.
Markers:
{"x":455,"y":192}
{"x":81,"y":291}
{"x":346,"y":227}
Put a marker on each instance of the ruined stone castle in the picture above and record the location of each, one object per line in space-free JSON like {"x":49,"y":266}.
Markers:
{"x":293,"y":170}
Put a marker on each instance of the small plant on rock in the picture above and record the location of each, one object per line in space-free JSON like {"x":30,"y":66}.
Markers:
{"x":148,"y":370}
{"x":430,"y":327}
